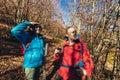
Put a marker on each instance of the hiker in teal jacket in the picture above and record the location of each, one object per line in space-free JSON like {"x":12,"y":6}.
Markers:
{"x":34,"y":53}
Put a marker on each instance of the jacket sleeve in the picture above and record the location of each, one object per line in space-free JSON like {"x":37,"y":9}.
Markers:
{"x":89,"y":64}
{"x":58,"y":57}
{"x":18,"y":32}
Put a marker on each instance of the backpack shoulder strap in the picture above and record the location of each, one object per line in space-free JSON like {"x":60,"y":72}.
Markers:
{"x":79,"y":41}
{"x":81,"y":51}
{"x":28,"y":43}
{"x":81,"y":45}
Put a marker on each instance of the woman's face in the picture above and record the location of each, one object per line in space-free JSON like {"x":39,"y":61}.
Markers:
{"x":37,"y":29}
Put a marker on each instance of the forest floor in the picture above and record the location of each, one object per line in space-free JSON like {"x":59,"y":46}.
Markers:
{"x":11,"y":60}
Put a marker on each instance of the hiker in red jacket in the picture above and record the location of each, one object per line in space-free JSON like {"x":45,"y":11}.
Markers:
{"x":76,"y":62}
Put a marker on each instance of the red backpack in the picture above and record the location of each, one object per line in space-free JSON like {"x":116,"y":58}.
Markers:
{"x":22,"y":47}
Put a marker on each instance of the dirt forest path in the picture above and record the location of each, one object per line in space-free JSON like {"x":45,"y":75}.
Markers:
{"x":11,"y":59}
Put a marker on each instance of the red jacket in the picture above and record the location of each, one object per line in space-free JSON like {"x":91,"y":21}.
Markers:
{"x":71,"y":56}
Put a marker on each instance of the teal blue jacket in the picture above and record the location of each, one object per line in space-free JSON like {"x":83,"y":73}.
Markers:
{"x":34,"y":53}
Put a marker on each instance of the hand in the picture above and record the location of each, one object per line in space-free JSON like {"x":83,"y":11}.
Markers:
{"x":57,"y":50}
{"x":84,"y":71}
{"x":33,"y":23}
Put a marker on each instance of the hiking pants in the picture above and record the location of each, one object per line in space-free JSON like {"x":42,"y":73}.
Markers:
{"x":58,"y":77}
{"x":33,"y":73}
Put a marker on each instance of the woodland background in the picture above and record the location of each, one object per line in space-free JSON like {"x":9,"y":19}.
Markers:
{"x":98,"y":26}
